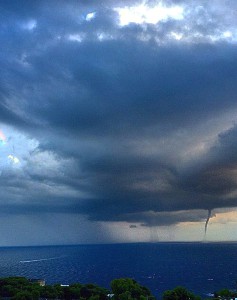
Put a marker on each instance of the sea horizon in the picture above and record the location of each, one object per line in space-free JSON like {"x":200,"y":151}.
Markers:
{"x":121,"y":243}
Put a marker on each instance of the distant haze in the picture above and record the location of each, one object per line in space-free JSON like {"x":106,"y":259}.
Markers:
{"x":118,"y":122}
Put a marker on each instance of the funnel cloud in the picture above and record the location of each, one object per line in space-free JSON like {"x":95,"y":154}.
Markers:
{"x":207,"y":221}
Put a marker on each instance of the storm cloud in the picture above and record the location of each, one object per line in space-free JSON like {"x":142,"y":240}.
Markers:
{"x":118,"y":122}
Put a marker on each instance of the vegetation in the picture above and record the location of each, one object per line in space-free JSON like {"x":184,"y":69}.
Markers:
{"x":129,"y":289}
{"x":179,"y":293}
{"x":20,"y":288}
{"x":225,"y":294}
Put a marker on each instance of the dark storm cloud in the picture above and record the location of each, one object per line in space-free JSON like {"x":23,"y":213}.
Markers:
{"x":122,"y":109}
{"x":168,"y":218}
{"x":217,"y":177}
{"x":118,"y":89}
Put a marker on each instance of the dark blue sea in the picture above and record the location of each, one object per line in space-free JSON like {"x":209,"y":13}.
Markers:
{"x":201,"y":267}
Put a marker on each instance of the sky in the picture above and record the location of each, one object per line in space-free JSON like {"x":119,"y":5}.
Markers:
{"x":118,"y":121}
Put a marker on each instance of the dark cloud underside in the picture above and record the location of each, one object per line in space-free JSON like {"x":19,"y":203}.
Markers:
{"x":140,"y":126}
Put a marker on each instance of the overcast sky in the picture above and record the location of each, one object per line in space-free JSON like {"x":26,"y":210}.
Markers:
{"x":118,"y":121}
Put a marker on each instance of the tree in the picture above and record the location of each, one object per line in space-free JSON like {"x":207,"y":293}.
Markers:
{"x":225,"y":293}
{"x":49,"y":291}
{"x":129,"y":289}
{"x":23,"y":295}
{"x":179,"y":293}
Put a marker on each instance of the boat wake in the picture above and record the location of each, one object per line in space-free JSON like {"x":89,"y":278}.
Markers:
{"x":36,"y":260}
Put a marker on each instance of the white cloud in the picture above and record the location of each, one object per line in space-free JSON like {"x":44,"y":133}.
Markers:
{"x":90,"y":16}
{"x":176,"y":35}
{"x":196,"y":23}
{"x":75,"y":37}
{"x":16,"y":148}
{"x":144,"y":14}
{"x":14,"y":159}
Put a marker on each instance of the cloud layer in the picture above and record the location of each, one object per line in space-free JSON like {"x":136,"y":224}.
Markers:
{"x":118,"y":121}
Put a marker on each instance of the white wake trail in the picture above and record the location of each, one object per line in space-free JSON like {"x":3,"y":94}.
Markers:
{"x":35,"y":260}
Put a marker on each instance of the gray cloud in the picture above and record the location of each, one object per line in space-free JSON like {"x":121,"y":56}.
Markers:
{"x":128,"y":123}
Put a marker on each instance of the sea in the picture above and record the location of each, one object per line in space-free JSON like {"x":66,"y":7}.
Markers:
{"x":200,"y":267}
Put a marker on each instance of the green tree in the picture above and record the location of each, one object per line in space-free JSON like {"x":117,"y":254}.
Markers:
{"x":129,"y":289}
{"x":49,"y":291}
{"x":23,"y":295}
{"x":179,"y":293}
{"x":225,"y":293}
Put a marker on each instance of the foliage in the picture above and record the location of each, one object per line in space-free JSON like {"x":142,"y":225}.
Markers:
{"x":225,"y":294}
{"x":179,"y":293}
{"x":129,"y":289}
{"x":20,"y":288}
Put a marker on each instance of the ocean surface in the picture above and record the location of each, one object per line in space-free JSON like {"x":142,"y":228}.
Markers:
{"x":201,"y":267}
